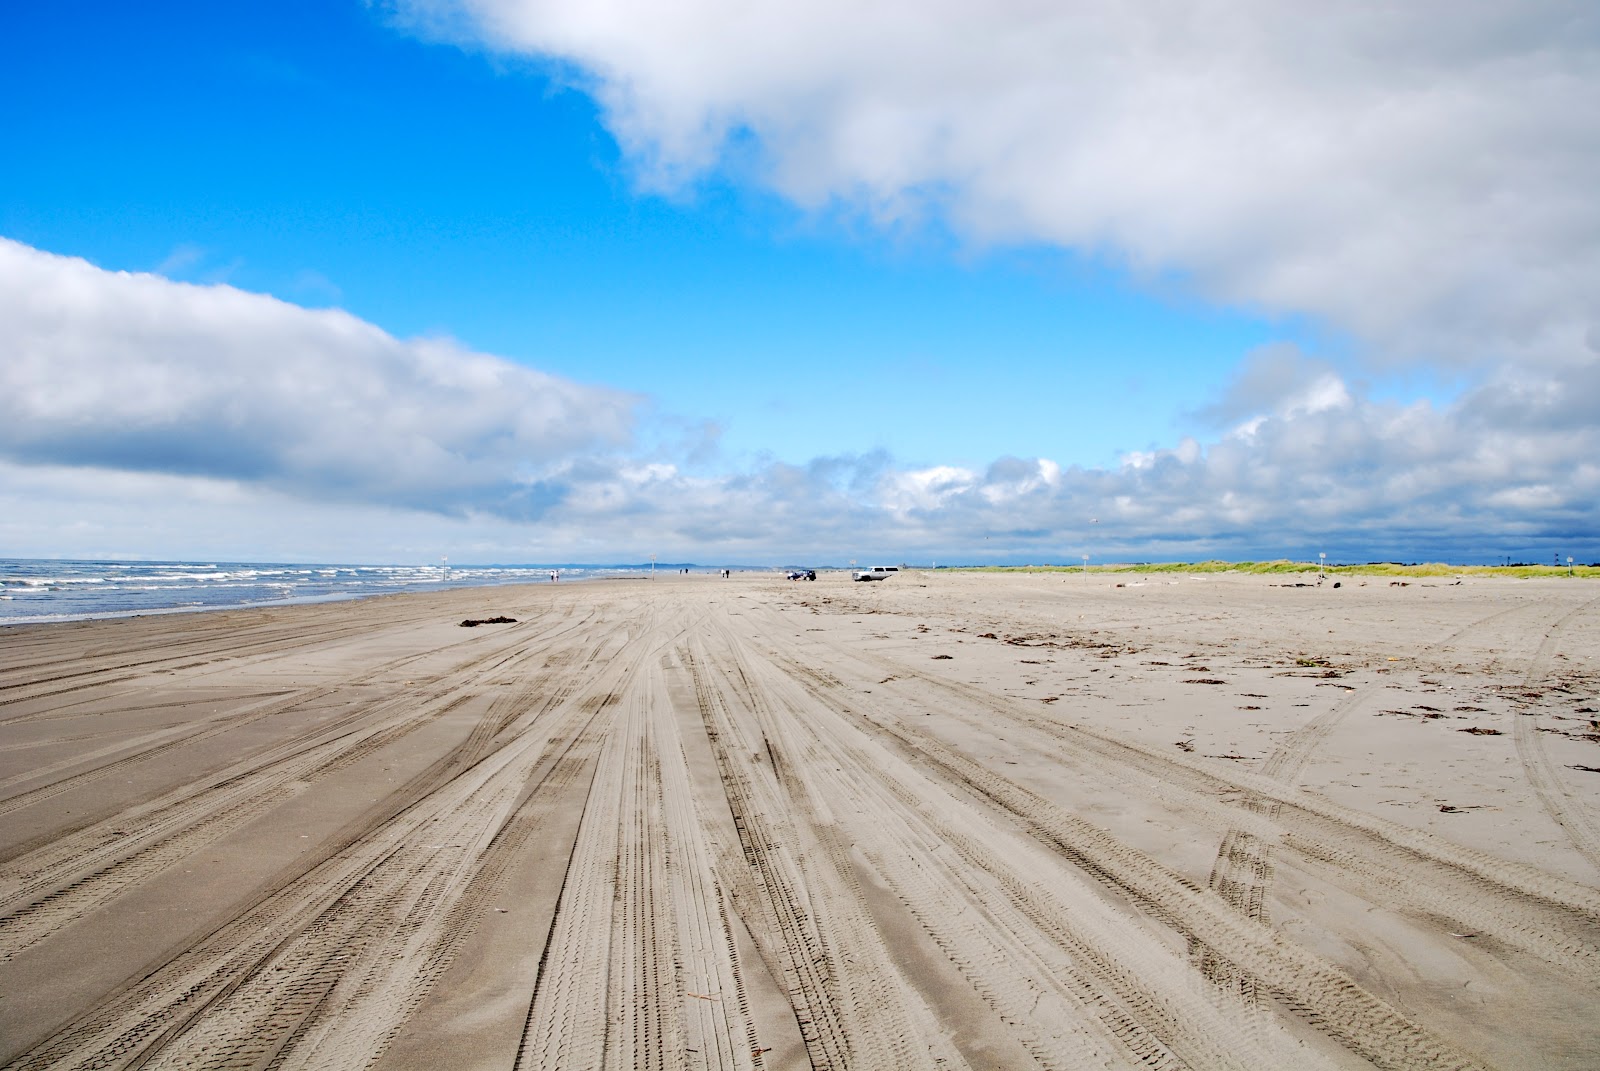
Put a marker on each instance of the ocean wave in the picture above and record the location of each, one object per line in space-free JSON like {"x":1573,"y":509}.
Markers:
{"x":54,"y":590}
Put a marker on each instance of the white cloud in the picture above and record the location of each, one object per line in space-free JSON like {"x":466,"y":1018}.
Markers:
{"x":144,"y":417}
{"x":135,"y":373}
{"x":1420,"y":175}
{"x":924,"y":489}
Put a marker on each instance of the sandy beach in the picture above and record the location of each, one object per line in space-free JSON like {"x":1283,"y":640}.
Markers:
{"x":943,"y":821}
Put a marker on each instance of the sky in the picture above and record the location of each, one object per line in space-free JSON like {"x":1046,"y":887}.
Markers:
{"x":519,"y":281}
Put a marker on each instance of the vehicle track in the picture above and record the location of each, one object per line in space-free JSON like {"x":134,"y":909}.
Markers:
{"x":1443,"y":885}
{"x":672,"y":995}
{"x":1076,"y":983}
{"x":1431,"y":878}
{"x":1242,"y":872}
{"x":586,"y":960}
{"x":255,"y":990}
{"x":310,"y":976}
{"x":133,"y":749}
{"x":190,"y":654}
{"x":53,"y":887}
{"x":57,"y":882}
{"x":717,"y":1025}
{"x":232,"y":646}
{"x":881,"y":1000}
{"x":1320,"y":993}
{"x":852,"y":1006}
{"x":1562,"y":806}
{"x":235,"y":719}
{"x":335,"y":993}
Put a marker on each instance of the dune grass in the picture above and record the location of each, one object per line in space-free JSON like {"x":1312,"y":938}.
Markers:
{"x":1283,"y":565}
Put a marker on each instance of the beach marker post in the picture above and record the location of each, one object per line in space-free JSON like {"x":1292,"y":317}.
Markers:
{"x":1322,"y":565}
{"x":1086,"y":566}
{"x":652,"y":567}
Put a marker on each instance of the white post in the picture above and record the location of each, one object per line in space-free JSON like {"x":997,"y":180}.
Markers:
{"x":1086,"y":566}
{"x":1322,"y":566}
{"x":652,"y":567}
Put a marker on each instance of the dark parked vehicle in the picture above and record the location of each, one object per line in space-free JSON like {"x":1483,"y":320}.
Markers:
{"x":802,"y":574}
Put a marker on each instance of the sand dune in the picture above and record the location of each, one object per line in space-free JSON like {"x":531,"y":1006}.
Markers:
{"x":945,"y":821}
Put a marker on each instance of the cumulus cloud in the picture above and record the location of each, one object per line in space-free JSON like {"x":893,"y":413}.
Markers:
{"x":1323,"y":467}
{"x":1419,"y":175}
{"x":282,"y":432}
{"x":1500,"y":470}
{"x":135,"y":373}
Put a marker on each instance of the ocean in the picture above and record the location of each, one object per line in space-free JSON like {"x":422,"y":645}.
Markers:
{"x":34,"y":590}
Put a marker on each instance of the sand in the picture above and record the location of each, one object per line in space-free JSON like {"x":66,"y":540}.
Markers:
{"x":943,"y":821}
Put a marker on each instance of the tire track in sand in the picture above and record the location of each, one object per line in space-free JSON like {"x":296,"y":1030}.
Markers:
{"x":1320,"y":993}
{"x":1448,"y":887}
{"x":717,"y":1024}
{"x":47,"y":890}
{"x":311,"y":975}
{"x":1242,"y":872}
{"x":52,"y":885}
{"x":853,"y":1007}
{"x":178,"y":736}
{"x":1071,"y":979}
{"x":191,"y":654}
{"x":609,"y":991}
{"x":1565,"y":809}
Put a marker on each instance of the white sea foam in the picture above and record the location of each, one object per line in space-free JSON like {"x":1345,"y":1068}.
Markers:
{"x":37,"y":591}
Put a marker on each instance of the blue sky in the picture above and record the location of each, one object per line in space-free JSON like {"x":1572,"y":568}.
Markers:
{"x":806,"y":282}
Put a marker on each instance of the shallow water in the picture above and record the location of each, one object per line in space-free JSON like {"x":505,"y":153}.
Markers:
{"x":37,"y":590}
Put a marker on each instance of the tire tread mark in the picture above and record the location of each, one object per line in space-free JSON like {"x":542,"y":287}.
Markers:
{"x":860,"y":1011}
{"x":1087,"y":948}
{"x":1528,"y":908}
{"x":193,"y":989}
{"x":1566,"y":811}
{"x":1320,"y":992}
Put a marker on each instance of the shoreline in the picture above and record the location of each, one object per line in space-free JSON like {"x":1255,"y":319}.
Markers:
{"x":105,"y":591}
{"x":132,"y":595}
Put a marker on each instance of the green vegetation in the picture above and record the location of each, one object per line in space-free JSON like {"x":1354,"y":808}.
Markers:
{"x":1283,"y":565}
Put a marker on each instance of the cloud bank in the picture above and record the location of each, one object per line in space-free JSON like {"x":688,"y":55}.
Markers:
{"x":138,"y":374}
{"x":144,"y":416}
{"x":1419,"y":176}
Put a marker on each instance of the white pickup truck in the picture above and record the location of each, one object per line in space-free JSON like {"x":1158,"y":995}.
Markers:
{"x":877,"y":572}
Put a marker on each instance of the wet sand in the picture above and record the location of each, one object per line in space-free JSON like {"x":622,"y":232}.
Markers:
{"x":944,"y":821}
